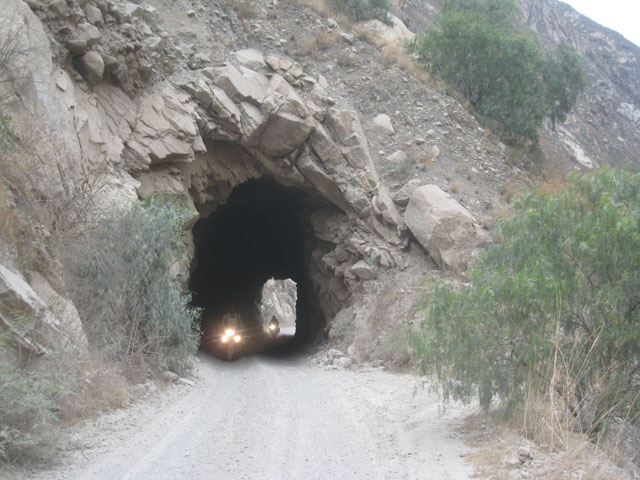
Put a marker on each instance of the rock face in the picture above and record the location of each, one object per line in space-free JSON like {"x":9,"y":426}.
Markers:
{"x":35,"y":322}
{"x":200,"y":134}
{"x":446,"y":230}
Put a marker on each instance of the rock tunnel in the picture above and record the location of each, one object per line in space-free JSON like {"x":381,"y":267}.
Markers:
{"x":263,"y":230}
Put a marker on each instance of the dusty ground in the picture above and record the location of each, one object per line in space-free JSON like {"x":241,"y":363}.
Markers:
{"x":273,"y":418}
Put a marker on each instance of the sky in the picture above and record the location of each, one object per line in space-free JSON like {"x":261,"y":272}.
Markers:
{"x":623,"y":16}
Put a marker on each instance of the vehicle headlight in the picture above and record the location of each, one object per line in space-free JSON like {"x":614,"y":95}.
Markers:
{"x":229,"y":332}
{"x":224,"y":339}
{"x":237,"y":338}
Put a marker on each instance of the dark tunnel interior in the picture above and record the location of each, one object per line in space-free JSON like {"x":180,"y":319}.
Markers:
{"x":262,"y":231}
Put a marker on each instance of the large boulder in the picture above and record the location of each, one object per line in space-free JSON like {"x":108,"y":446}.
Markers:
{"x":446,"y":230}
{"x":93,"y":66}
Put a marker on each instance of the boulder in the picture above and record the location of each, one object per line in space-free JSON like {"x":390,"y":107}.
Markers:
{"x":93,"y":14}
{"x":397,"y":157}
{"x":383,"y":203}
{"x":89,"y":34}
{"x":250,"y":58}
{"x":283,"y":133}
{"x":382,"y":124}
{"x":322,"y":181}
{"x":363,"y":271}
{"x":93,"y":67}
{"x":445,"y":229}
{"x":402,"y":196}
{"x":76,"y":45}
{"x":235,"y":85}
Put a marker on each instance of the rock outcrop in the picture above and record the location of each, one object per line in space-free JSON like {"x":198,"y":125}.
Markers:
{"x":37,"y":322}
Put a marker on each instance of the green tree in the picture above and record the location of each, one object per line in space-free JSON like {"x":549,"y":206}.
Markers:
{"x":475,"y":47}
{"x":478,"y":47}
{"x":564,"y":80}
{"x":553,"y":306}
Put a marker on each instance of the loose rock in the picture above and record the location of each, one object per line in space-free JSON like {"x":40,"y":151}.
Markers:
{"x":382,"y":124}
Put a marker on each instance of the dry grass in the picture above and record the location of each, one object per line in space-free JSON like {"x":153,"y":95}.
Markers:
{"x":324,"y":9}
{"x":455,"y":186}
{"x":223,"y":39}
{"x":495,"y":216}
{"x":245,"y":9}
{"x":88,"y":386}
{"x":395,"y":54}
{"x":321,"y":40}
{"x":495,"y":446}
{"x":512,"y":187}
{"x":346,"y":58}
{"x":554,"y":181}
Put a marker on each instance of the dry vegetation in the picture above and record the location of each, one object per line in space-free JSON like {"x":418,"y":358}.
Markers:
{"x":396,"y":54}
{"x":245,"y":9}
{"x":321,"y":40}
{"x":325,"y":9}
{"x":496,"y":447}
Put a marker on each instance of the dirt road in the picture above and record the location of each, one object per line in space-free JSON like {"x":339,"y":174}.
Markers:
{"x":266,"y":418}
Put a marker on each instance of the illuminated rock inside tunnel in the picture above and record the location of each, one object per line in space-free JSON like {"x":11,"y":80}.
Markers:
{"x":263,"y":231}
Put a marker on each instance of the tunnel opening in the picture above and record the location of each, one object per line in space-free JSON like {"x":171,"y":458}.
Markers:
{"x":263,"y":231}
{"x":278,"y":301}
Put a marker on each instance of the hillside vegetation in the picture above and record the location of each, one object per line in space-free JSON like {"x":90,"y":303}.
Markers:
{"x":479,"y":49}
{"x":552,"y":310}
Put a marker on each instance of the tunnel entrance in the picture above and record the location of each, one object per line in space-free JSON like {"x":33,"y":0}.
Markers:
{"x":263,"y":231}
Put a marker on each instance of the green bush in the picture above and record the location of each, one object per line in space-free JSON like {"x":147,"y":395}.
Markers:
{"x":131,"y":304}
{"x":26,"y":405}
{"x":363,"y":10}
{"x":553,"y":307}
{"x":564,"y":80}
{"x":478,"y":48}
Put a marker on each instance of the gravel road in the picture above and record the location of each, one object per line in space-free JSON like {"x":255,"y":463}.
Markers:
{"x":270,"y":418}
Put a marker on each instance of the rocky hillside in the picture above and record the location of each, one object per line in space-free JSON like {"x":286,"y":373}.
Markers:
{"x":605,"y":125}
{"x":198,"y":98}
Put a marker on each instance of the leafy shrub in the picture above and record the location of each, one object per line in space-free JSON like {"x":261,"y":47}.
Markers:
{"x":363,"y":10}
{"x":553,"y":307}
{"x":478,"y":48}
{"x":26,"y":405}
{"x":131,"y":304}
{"x":563,"y":76}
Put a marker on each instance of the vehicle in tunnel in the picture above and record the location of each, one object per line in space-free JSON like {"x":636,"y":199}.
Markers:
{"x":230,"y":340}
{"x":274,"y":327}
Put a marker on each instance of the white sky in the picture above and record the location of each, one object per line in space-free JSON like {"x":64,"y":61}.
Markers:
{"x":623,"y":16}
